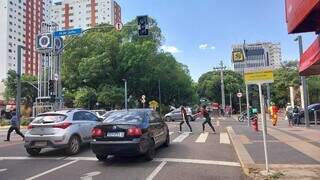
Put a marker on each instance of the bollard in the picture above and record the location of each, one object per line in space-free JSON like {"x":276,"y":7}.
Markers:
{"x":315,"y":117}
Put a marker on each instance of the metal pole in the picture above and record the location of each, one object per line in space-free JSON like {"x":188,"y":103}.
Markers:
{"x":240,"y":103}
{"x":125,"y":95}
{"x":248,"y":105}
{"x":159,"y":97}
{"x":304,"y":87}
{"x":268,"y":95}
{"x":315,"y":118}
{"x":263,"y":115}
{"x":18,"y":97}
{"x":230,"y":103}
{"x":222,"y":87}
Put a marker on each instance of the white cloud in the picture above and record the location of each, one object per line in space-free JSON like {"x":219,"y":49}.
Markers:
{"x":213,"y":48}
{"x":203,"y":46}
{"x":170,"y":49}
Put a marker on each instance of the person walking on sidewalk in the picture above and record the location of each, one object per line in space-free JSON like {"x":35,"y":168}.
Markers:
{"x":184,"y":117}
{"x":15,"y":125}
{"x":289,"y":114}
{"x":274,"y":114}
{"x":205,"y":114}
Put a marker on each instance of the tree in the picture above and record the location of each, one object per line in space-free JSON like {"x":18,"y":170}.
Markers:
{"x":101,"y":59}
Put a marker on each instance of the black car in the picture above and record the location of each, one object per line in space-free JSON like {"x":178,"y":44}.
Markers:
{"x":130,"y":133}
{"x":311,"y":109}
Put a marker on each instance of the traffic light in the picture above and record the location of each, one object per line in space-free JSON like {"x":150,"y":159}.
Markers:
{"x":143,"y":25}
{"x":51,"y":87}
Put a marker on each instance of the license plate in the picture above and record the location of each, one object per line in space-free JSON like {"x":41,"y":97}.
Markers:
{"x":115,"y":134}
{"x":41,"y":143}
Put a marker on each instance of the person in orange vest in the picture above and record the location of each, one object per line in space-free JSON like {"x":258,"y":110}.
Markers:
{"x":274,"y":113}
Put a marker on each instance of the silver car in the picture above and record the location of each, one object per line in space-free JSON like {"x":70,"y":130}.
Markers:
{"x":60,"y":129}
{"x":175,"y":115}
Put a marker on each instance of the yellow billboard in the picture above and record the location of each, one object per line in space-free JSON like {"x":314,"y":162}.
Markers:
{"x":258,"y":77}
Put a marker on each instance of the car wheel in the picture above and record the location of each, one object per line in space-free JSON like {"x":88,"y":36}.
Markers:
{"x":102,"y":157}
{"x":33,"y":151}
{"x":167,"y":142}
{"x":151,"y":152}
{"x":73,"y":145}
{"x":168,"y":118}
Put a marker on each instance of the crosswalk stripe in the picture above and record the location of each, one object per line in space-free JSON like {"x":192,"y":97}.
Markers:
{"x":181,"y":137}
{"x":202,"y":137}
{"x":170,"y":133}
{"x":224,"y":138}
{"x":218,"y":123}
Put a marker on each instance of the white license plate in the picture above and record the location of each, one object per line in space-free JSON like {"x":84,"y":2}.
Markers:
{"x":115,"y":134}
{"x":41,"y":143}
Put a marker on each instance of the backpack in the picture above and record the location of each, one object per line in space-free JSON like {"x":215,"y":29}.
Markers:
{"x":295,"y":110}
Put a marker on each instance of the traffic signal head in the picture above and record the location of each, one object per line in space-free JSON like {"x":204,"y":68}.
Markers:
{"x":143,"y":25}
{"x":51,"y":87}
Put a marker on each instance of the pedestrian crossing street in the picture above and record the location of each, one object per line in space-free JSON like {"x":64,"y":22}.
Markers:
{"x":179,"y":137}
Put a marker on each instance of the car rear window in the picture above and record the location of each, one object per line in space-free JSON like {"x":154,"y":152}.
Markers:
{"x":125,"y":117}
{"x":49,"y":118}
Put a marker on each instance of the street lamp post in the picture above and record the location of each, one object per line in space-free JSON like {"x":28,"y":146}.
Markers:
{"x":18,"y":97}
{"x":125,"y":94}
{"x":304,"y":86}
{"x":221,"y":68}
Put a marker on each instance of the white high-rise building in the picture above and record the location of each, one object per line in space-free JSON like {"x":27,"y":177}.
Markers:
{"x":20,"y":22}
{"x":85,"y":13}
{"x":256,"y":55}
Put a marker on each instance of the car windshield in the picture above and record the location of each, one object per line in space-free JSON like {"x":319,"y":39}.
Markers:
{"x":49,"y":118}
{"x":125,"y":117}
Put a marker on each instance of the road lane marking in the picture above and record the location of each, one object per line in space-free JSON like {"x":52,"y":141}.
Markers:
{"x":156,"y":170}
{"x":2,"y":170}
{"x":218,"y":123}
{"x":51,"y":170}
{"x":181,"y":137}
{"x":30,"y":158}
{"x":170,"y":133}
{"x":202,"y":137}
{"x":306,"y":148}
{"x":224,"y":138}
{"x":199,"y":161}
{"x":88,"y":176}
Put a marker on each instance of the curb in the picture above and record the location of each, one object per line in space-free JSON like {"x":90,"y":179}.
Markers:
{"x":244,"y":157}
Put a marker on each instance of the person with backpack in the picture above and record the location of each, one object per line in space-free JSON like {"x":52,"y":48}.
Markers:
{"x":184,"y":117}
{"x":296,"y":116}
{"x":206,"y":115}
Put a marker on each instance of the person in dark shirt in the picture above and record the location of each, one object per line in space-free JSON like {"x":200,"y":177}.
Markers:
{"x":205,"y":114}
{"x":184,"y":118}
{"x":15,"y":125}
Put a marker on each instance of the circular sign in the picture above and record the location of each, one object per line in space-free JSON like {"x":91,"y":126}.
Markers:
{"x":58,"y":43}
{"x":239,"y":94}
{"x":56,"y":77}
{"x":44,"y":41}
{"x":118,"y":26}
{"x":143,"y":99}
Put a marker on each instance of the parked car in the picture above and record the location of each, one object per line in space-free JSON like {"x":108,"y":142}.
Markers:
{"x":311,"y":109}
{"x":61,"y":129}
{"x":99,"y":112}
{"x":129,"y":133}
{"x":175,"y":115}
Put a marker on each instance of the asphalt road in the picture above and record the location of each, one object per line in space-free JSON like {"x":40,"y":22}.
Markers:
{"x":198,"y":156}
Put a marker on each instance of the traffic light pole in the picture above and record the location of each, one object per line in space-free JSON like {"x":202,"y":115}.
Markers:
{"x":304,"y":87}
{"x":18,"y":97}
{"x":221,"y":68}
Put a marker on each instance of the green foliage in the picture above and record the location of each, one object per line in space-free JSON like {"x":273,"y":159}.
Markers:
{"x":209,"y":85}
{"x":28,"y":92}
{"x":100,"y":60}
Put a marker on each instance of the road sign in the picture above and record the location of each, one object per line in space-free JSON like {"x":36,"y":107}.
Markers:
{"x":143,"y":99}
{"x":58,"y":43}
{"x":259,"y":76}
{"x":118,"y":26}
{"x":68,"y":32}
{"x":239,"y":94}
{"x":153,"y":104}
{"x":56,"y":77}
{"x":238,"y":56}
{"x":44,"y":41}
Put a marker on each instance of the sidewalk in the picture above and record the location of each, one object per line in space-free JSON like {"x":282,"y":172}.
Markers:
{"x":294,"y":152}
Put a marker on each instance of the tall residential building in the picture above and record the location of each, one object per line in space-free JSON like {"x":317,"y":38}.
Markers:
{"x":256,"y":55}
{"x":85,"y":13}
{"x":19,"y":23}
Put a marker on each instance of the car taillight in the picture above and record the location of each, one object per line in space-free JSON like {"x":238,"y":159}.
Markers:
{"x":62,"y":125}
{"x":30,"y":126}
{"x":134,"y":132}
{"x":96,"y":132}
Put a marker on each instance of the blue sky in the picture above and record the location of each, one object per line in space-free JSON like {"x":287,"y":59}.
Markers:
{"x":216,"y":25}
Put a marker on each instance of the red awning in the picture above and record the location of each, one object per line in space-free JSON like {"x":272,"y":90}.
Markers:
{"x":310,"y":60}
{"x":303,"y":15}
